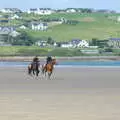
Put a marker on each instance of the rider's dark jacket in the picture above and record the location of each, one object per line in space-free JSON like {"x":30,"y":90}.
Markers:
{"x":35,"y":59}
{"x":49,"y":59}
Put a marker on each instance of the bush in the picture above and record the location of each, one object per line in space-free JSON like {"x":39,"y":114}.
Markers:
{"x":108,"y":50}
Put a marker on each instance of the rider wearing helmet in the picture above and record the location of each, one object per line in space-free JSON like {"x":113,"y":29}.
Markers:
{"x":36,"y":59}
{"x":36,"y":62}
{"x":48,"y":59}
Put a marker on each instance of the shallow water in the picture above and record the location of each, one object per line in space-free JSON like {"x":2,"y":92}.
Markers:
{"x":68,"y":64}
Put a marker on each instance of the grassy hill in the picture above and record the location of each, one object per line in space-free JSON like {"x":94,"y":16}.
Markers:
{"x":91,"y":25}
{"x":94,"y":25}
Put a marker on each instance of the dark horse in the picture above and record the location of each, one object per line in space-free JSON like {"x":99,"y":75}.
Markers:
{"x":33,"y":68}
{"x":49,"y":68}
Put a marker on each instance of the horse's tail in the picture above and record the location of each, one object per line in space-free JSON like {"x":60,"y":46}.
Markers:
{"x":29,"y":68}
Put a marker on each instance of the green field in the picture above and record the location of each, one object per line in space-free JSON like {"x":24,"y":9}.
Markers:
{"x":32,"y":51}
{"x":22,"y":51}
{"x":94,"y":25}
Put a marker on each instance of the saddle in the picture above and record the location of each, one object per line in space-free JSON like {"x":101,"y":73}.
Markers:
{"x":35,"y":64}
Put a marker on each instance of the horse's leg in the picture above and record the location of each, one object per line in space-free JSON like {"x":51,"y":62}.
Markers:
{"x":44,"y":73}
{"x":29,"y":71}
{"x":37,"y":72}
{"x":33,"y":72}
{"x":49,"y":74}
{"x":43,"y":70}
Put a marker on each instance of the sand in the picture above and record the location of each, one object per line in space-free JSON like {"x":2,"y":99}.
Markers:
{"x":71,"y":94}
{"x":74,"y":58}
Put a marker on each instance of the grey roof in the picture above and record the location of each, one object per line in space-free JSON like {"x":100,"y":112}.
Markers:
{"x":114,"y":39}
{"x":44,"y":8}
{"x":13,"y":9}
{"x":33,"y":9}
{"x":75,"y":41}
{"x":37,"y":23}
{"x":7,"y":29}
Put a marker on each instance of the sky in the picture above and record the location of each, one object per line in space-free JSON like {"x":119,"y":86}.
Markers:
{"x":59,"y":4}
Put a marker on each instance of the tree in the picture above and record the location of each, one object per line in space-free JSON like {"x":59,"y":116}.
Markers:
{"x":50,"y":41}
{"x":22,"y":39}
{"x":94,"y":42}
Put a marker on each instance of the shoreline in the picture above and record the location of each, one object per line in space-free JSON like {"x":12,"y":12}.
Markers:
{"x":79,"y":58}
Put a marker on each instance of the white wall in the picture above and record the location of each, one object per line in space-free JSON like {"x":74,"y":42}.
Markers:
{"x":66,"y":45}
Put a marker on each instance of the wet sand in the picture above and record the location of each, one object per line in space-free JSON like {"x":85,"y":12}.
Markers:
{"x":74,"y":58}
{"x":71,"y":94}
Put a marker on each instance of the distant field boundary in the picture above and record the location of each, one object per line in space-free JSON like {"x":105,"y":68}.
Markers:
{"x":80,"y":58}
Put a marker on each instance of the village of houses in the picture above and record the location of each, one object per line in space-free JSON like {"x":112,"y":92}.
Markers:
{"x":14,"y":13}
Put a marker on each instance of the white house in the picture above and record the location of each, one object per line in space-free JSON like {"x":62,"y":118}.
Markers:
{"x":22,"y":27}
{"x":41,"y":43}
{"x":14,"y":34}
{"x":40,"y":11}
{"x":55,"y":44}
{"x":79,"y":43}
{"x":83,"y":43}
{"x":39,"y":26}
{"x":114,"y":42}
{"x":32,"y":10}
{"x":10,"y":10}
{"x":71,"y":10}
{"x":66,"y":45}
{"x":15,"y":16}
{"x":6,"y":29}
{"x":63,"y":20}
{"x":6,"y":10}
{"x":75,"y":44}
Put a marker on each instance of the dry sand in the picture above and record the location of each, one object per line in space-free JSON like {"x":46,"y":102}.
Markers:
{"x":72,"y":94}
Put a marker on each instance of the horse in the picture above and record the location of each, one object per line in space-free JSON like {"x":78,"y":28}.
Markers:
{"x":49,"y":68}
{"x":33,"y":68}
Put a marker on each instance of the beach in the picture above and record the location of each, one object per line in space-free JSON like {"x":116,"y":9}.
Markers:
{"x":83,"y":93}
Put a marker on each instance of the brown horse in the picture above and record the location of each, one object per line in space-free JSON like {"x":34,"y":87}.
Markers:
{"x":34,"y":68}
{"x":49,"y":68}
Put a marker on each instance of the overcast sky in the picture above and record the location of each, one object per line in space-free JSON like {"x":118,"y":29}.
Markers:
{"x":96,"y":4}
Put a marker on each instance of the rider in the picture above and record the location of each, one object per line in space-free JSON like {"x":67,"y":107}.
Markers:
{"x":35,"y":59}
{"x":48,"y":59}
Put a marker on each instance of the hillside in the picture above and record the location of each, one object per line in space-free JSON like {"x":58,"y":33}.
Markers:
{"x":90,"y":25}
{"x":94,"y":25}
